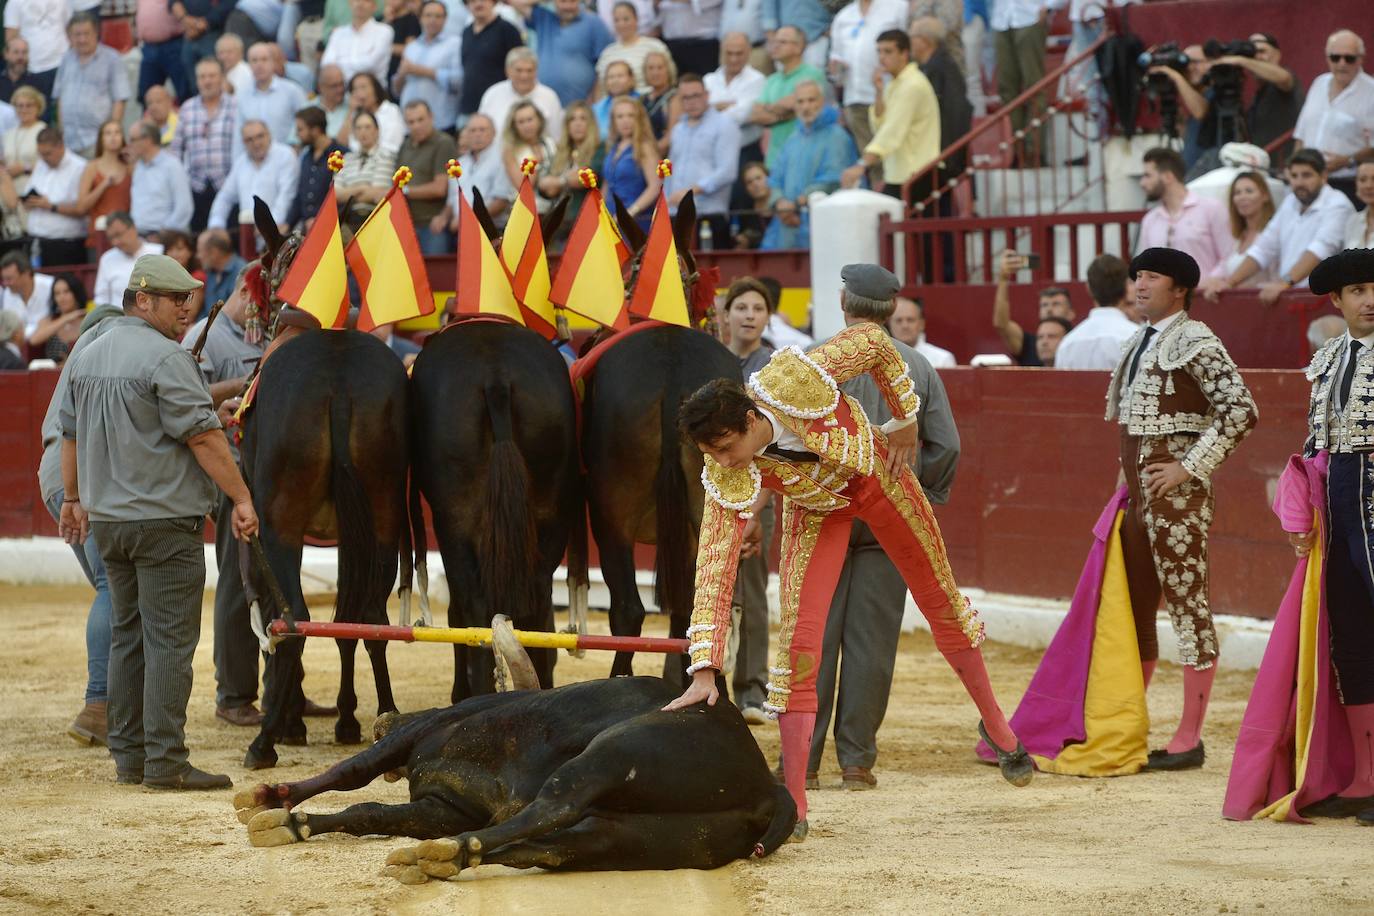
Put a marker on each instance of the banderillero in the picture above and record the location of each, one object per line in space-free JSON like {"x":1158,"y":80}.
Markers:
{"x":475,"y":636}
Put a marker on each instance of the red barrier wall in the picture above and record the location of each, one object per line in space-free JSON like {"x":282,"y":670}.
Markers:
{"x":1038,"y":464}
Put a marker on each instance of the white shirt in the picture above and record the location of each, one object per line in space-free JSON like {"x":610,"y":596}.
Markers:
{"x":274,"y":180}
{"x":43,"y":24}
{"x":1123,"y":401}
{"x":1018,"y":14}
{"x":498,"y":100}
{"x":61,"y":185}
{"x":742,"y":16}
{"x":391,"y":129}
{"x":1160,"y":327}
{"x":1095,"y":343}
{"x":1091,"y":11}
{"x":854,"y":43}
{"x":1366,"y":343}
{"x":365,"y":50}
{"x":783,"y":437}
{"x":35,"y":308}
{"x":1343,"y":125}
{"x":1319,"y":229}
{"x":742,"y":93}
{"x":938,"y":357}
{"x":1355,"y":228}
{"x":240,"y":79}
{"x":781,"y":334}
{"x":483,"y":171}
{"x":112,"y":277}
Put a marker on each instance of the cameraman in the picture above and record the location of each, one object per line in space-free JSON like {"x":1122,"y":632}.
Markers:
{"x":1278,"y":97}
{"x":1189,"y":84}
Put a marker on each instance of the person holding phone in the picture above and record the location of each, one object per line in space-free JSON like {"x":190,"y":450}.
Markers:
{"x":1056,"y":314}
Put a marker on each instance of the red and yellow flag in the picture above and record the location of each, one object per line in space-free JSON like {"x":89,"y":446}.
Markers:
{"x":658,"y":292}
{"x":589,"y":280}
{"x":385,"y":257}
{"x":317,"y":280}
{"x":483,"y":283}
{"x":522,"y":251}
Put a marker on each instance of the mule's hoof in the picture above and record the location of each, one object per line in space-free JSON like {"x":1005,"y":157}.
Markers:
{"x":277,"y":827}
{"x":254,"y":801}
{"x":406,"y":874}
{"x":403,"y":856}
{"x":443,"y":850}
{"x":351,"y":733}
{"x":259,"y":760}
{"x":474,"y":844}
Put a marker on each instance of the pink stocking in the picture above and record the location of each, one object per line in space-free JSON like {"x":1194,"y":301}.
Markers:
{"x":1361,"y":719}
{"x":1197,"y":690}
{"x":968,"y":664}
{"x":796,"y":729}
{"x":1148,"y":669}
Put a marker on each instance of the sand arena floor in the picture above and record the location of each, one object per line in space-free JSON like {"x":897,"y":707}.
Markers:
{"x":940,"y":834}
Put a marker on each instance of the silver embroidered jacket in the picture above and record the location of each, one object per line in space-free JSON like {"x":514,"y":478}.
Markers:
{"x":1348,"y":430}
{"x":1186,"y":383}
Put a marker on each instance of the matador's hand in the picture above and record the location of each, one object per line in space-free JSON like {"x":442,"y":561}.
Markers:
{"x":901,"y":448}
{"x":703,"y":687}
{"x":1162,"y":478}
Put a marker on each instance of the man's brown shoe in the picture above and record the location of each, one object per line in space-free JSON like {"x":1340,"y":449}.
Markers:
{"x":315,"y":709}
{"x":188,"y":779}
{"x":858,"y":778}
{"x":89,"y":725}
{"x":246,"y":716}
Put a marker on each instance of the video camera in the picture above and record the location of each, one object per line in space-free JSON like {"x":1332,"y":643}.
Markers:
{"x":1160,"y":87}
{"x":1227,"y":82}
{"x":1165,"y":55}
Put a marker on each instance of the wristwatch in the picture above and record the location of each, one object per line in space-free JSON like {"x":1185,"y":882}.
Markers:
{"x":1287,"y":281}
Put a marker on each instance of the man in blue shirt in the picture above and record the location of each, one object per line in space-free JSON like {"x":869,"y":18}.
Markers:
{"x":568,"y":43}
{"x":221,"y":264}
{"x":161,"y":193}
{"x":431,"y":69}
{"x":705,"y":156}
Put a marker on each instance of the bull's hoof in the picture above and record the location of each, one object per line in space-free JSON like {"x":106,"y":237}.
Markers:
{"x":257,"y":759}
{"x":441,"y":858}
{"x":255,"y":801}
{"x":277,"y":827}
{"x":348,"y":732}
{"x":406,"y":874}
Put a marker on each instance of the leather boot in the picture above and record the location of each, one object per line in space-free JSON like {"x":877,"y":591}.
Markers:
{"x":89,"y":725}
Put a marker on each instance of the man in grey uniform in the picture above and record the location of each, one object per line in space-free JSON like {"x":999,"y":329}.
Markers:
{"x":89,"y":725}
{"x":141,"y":454}
{"x":865,"y":619}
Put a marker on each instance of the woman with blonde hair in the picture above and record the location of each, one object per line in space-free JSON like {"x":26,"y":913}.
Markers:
{"x":661,"y":101}
{"x":104,"y":186}
{"x":526,"y":137}
{"x":19,"y":145}
{"x":618,"y":81}
{"x":1359,"y":228}
{"x":1251,"y":207}
{"x":579,"y":148}
{"x":631,"y":166}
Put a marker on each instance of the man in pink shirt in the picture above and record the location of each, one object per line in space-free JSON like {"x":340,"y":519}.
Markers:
{"x":159,"y":33}
{"x":1182,"y":220}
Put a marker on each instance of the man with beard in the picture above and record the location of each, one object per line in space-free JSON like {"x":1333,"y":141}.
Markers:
{"x":1308,"y":227}
{"x":1183,"y":220}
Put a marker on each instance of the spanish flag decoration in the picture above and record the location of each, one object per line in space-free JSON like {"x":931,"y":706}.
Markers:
{"x":522,"y":251}
{"x":385,"y":257}
{"x":483,"y":284}
{"x":589,"y":280}
{"x":317,"y":280}
{"x":658,"y":292}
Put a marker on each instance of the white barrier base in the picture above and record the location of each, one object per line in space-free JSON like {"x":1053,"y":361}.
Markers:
{"x":1013,"y":619}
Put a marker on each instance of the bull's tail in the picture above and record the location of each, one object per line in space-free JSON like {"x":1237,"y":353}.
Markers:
{"x":506,"y":543}
{"x":780,"y":827}
{"x":674,"y":560}
{"x":360,"y":568}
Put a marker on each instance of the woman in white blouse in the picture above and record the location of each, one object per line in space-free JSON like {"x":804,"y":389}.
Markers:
{"x":526,"y":137}
{"x":20,"y":144}
{"x":1251,"y":206}
{"x":365,"y":93}
{"x":366,"y":174}
{"x":630,"y":46}
{"x":1359,"y":229}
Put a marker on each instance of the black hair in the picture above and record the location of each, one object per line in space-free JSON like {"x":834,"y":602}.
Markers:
{"x":75,"y":285}
{"x":718,"y":408}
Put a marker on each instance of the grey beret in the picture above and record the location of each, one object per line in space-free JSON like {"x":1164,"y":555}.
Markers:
{"x":870,"y":281}
{"x":1345,"y":268}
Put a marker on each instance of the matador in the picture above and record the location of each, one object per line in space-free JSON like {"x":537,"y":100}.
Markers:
{"x":793,"y":431}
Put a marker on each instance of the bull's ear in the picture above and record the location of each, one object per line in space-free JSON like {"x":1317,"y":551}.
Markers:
{"x":634,"y":237}
{"x":267,"y":225}
{"x":479,"y":207}
{"x":685,"y":224}
{"x":549,"y":222}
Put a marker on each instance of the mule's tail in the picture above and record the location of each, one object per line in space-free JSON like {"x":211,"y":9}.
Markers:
{"x":360,"y":568}
{"x":419,"y":543}
{"x":506,"y":543}
{"x":674,"y":559}
{"x":780,"y":827}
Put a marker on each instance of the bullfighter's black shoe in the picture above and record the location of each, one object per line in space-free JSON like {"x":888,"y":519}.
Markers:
{"x":1190,"y":759}
{"x":1339,"y":806}
{"x":1017,"y":766}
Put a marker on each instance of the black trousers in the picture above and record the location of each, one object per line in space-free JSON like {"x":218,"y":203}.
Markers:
{"x":61,"y":252}
{"x":200,"y":214}
{"x":1350,"y":574}
{"x":694,"y":55}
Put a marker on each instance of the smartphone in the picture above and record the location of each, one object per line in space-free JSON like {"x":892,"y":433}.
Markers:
{"x":1032,"y":261}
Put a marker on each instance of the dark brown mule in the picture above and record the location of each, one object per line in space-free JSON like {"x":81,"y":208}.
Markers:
{"x":643,"y":479}
{"x":494,"y":435}
{"x":325,"y":453}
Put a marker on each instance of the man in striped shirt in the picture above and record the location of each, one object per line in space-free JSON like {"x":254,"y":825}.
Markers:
{"x":205,"y":138}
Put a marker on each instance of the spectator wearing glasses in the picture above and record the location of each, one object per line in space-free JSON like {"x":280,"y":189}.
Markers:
{"x":1338,"y":116}
{"x":1182,"y":219}
{"x":265,"y":169}
{"x":271,"y":99}
{"x":776,"y":109}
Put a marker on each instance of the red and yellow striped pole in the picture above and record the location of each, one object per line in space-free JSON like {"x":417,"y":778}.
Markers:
{"x":476,"y":636}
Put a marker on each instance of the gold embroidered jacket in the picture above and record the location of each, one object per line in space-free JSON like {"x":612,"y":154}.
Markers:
{"x":802,"y":391}
{"x":1186,"y":383}
{"x":1351,"y":429}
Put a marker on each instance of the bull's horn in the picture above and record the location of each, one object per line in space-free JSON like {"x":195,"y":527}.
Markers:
{"x":509,"y":651}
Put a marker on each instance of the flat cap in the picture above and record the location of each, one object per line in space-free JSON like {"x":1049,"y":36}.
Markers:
{"x":870,"y":281}
{"x":159,"y":273}
{"x":1172,"y":263}
{"x":1345,"y":268}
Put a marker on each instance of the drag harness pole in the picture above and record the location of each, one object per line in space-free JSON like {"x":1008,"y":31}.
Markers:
{"x":474,"y":636}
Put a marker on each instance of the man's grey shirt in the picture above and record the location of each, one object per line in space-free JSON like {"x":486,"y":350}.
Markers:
{"x":226,"y":355}
{"x":50,"y":466}
{"x":134,"y":399}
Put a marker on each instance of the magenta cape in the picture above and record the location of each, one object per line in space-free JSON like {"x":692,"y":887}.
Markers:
{"x":1051,"y":712}
{"x":1276,"y":769}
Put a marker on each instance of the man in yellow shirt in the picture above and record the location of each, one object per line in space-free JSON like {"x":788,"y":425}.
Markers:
{"x":905,"y":119}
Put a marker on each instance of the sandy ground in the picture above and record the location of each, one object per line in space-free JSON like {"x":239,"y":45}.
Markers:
{"x":940,"y":834}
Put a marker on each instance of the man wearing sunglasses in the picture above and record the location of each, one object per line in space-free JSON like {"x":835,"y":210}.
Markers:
{"x":1338,"y":116}
{"x":142,"y":452}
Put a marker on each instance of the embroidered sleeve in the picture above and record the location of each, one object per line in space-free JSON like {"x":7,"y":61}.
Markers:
{"x":865,"y":347}
{"x":722,"y":533}
{"x":1233,"y":411}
